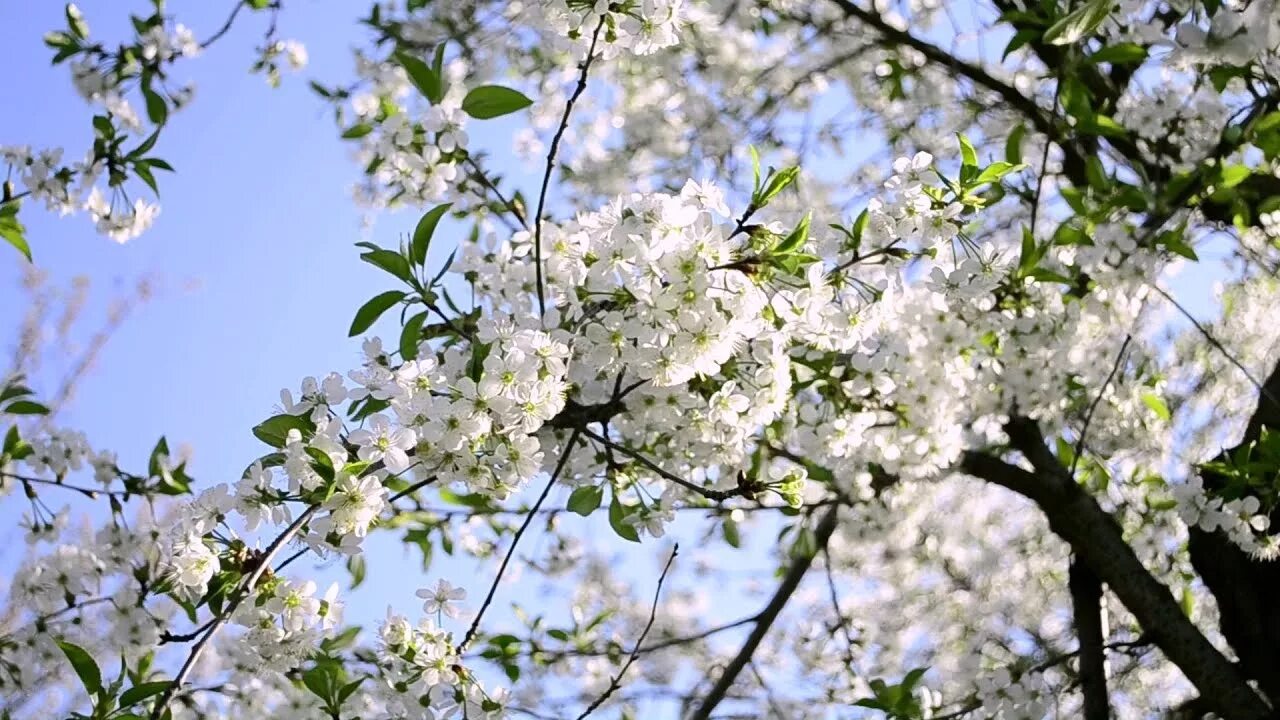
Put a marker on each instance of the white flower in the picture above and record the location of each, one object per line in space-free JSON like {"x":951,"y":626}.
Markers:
{"x":381,"y":442}
{"x":444,"y":598}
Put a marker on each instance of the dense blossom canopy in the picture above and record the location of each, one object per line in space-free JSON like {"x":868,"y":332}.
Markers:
{"x":815,"y":283}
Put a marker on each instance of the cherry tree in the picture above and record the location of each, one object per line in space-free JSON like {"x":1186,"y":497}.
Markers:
{"x":887,"y":293}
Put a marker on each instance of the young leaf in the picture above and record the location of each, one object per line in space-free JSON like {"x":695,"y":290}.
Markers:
{"x":85,"y":667}
{"x":796,"y":239}
{"x":369,"y":313}
{"x":357,"y":131}
{"x":392,"y":262}
{"x":411,"y":335}
{"x":995,"y":172}
{"x":1078,"y":23}
{"x":586,"y":499}
{"x":26,"y":407}
{"x":968,"y":156}
{"x":12,"y":230}
{"x":731,"y":534}
{"x":422,"y":76}
{"x":775,"y":184}
{"x":425,"y":229}
{"x":491,"y":101}
{"x":618,"y":521}
{"x":1013,"y":146}
{"x":273,"y":431}
{"x":1157,"y":405}
{"x":1124,"y":53}
{"x":140,"y":692}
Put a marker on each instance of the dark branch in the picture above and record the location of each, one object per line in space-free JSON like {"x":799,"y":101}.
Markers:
{"x":791,"y":581}
{"x":1098,"y":542}
{"x":616,"y":682}
{"x":1086,"y":608}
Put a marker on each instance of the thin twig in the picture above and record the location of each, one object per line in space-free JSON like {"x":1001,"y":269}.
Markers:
{"x":835,"y":605}
{"x":1088,"y":417}
{"x":87,"y":491}
{"x":245,"y":590}
{"x":791,"y":581}
{"x":551,"y":163}
{"x":493,"y":187}
{"x":1216,"y":344}
{"x":717,"y":495}
{"x":225,"y":26}
{"x":616,"y":682}
{"x":411,"y":489}
{"x":515,"y":542}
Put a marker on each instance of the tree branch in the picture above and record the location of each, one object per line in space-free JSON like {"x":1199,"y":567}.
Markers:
{"x":515,"y":541}
{"x":616,"y":682}
{"x":1097,"y":540}
{"x":551,"y":162}
{"x":791,"y":581}
{"x":1086,"y":608}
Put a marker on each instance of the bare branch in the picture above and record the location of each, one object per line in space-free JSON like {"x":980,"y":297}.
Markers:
{"x":616,"y":682}
{"x":791,"y":581}
{"x":515,"y":542}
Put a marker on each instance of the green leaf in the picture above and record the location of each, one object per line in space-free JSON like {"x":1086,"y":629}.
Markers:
{"x":491,"y":101}
{"x":411,"y":335}
{"x":357,"y":567}
{"x":755,"y":169}
{"x":1175,"y":242}
{"x":26,"y":407}
{"x":369,"y":313}
{"x":1078,"y":23}
{"x":995,"y":172}
{"x":617,"y":520}
{"x":138,"y":693}
{"x":425,"y":229}
{"x":1233,"y":175}
{"x":774,"y":184}
{"x":275,"y":430}
{"x":422,"y":76}
{"x":731,"y":535}
{"x":319,"y":680}
{"x":157,"y":109}
{"x":1019,"y":39}
{"x":146,"y":146}
{"x":1013,"y":146}
{"x":1029,"y":256}
{"x":796,"y":239}
{"x":85,"y":667}
{"x":347,"y":690}
{"x":1120,"y":54}
{"x":392,"y":262}
{"x":343,"y":640}
{"x":14,"y":391}
{"x":321,"y":463}
{"x":584,"y":500}
{"x":12,"y":230}
{"x":357,"y":131}
{"x":1157,"y":405}
{"x":1267,"y":123}
{"x":968,"y":156}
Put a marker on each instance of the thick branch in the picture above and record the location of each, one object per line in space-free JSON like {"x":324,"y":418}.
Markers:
{"x":766,"y":618}
{"x":1086,"y":608}
{"x":1097,"y":540}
